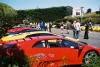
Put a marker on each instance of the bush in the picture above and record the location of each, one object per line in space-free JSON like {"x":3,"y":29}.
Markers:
{"x":9,"y":58}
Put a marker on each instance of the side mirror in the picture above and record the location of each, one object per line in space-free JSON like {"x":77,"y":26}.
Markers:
{"x":72,"y":47}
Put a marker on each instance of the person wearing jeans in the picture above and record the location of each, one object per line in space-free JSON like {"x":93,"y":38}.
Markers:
{"x":77,"y":35}
{"x":77,"y":27}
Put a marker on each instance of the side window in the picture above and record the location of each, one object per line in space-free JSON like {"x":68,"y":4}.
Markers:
{"x":33,"y":35}
{"x":40,"y":44}
{"x":53,"y":43}
{"x":69,"y":44}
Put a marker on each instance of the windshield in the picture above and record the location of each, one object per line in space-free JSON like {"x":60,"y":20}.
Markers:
{"x":23,"y":31}
{"x":84,"y":43}
{"x":12,"y":33}
{"x":29,"y":30}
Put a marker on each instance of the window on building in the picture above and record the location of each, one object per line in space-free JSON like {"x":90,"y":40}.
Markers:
{"x":77,"y":13}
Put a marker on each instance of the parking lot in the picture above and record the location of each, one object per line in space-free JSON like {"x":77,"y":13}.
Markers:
{"x":94,"y":37}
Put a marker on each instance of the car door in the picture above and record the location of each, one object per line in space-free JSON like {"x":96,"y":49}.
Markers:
{"x":70,"y":50}
{"x":37,"y":53}
{"x":63,"y":51}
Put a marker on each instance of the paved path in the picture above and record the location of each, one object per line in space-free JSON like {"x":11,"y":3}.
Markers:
{"x":94,"y":37}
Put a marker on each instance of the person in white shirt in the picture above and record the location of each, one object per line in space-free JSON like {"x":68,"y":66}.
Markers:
{"x":31,"y":25}
{"x":77,"y":27}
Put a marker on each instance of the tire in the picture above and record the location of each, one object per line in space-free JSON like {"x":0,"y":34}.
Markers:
{"x":88,"y":56}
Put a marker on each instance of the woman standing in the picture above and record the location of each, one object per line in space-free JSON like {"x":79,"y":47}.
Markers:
{"x":86,"y":31}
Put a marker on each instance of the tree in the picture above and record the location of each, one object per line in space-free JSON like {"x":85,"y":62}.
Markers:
{"x":7,"y":15}
{"x":88,"y":10}
{"x":6,"y":12}
{"x":21,"y":15}
{"x":97,"y":12}
{"x":45,"y":14}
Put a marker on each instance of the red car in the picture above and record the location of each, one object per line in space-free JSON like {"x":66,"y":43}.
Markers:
{"x":47,"y":51}
{"x":18,"y":29}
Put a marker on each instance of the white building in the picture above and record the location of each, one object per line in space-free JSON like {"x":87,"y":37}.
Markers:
{"x":77,"y":12}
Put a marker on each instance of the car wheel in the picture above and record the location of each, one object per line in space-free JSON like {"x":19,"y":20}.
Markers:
{"x":89,"y":55}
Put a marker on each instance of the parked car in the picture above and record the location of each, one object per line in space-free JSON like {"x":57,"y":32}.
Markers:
{"x":27,"y":34}
{"x":18,"y":29}
{"x":20,"y":32}
{"x":58,"y":25}
{"x":56,"y":51}
{"x":94,"y":28}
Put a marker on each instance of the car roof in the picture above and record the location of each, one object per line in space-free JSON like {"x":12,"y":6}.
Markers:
{"x":31,"y":38}
{"x":29,"y":33}
{"x":19,"y":29}
{"x":34,"y":32}
{"x":48,"y":37}
{"x":7,"y":38}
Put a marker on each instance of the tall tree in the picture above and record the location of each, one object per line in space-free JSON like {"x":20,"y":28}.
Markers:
{"x":6,"y":12}
{"x":89,"y":10}
{"x":7,"y":15}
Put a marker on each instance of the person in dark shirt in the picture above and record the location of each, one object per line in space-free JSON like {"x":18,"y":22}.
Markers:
{"x":86,"y":31}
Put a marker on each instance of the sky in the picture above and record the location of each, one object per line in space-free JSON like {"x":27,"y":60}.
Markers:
{"x":33,"y":4}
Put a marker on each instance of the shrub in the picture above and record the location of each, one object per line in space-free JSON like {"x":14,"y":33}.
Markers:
{"x":9,"y":58}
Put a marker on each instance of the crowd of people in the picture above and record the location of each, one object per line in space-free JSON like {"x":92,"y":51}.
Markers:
{"x":75,"y":27}
{"x":43,"y":26}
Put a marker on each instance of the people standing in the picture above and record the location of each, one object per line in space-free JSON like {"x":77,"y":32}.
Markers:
{"x":31,"y":25}
{"x":90,"y":26}
{"x":86,"y":31}
{"x":77,"y":27}
{"x":38,"y":26}
{"x":45,"y":27}
{"x":68,"y":26}
{"x":42,"y":26}
{"x":74,"y":30}
{"x":62,"y":28}
{"x":50,"y":26}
